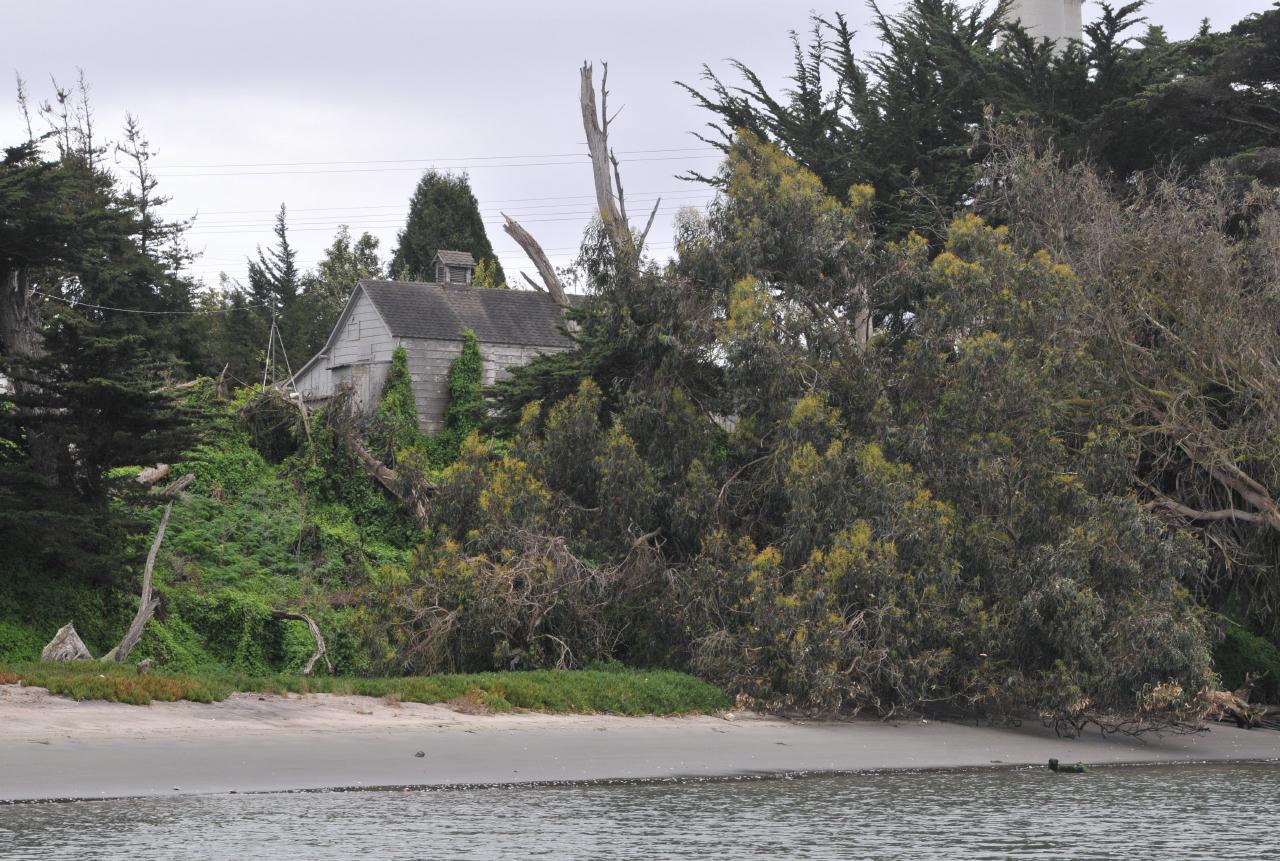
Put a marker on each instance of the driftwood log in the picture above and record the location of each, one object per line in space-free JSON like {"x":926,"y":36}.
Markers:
{"x":66,"y":645}
{"x":321,"y":651}
{"x":1233,"y":706}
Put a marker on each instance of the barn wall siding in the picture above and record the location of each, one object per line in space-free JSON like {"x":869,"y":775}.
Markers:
{"x":364,"y":337}
{"x":429,"y":363}
{"x":317,"y":382}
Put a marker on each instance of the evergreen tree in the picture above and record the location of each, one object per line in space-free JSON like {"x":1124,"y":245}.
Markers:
{"x":443,"y":213}
{"x":274,"y":279}
{"x":88,"y":334}
{"x":908,"y":119}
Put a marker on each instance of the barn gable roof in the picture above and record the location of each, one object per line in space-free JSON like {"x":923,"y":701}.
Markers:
{"x":441,"y":311}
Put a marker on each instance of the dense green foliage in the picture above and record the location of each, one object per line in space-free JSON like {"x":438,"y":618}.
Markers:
{"x":903,"y":119}
{"x":607,"y":690}
{"x":84,"y":379}
{"x":465,"y":379}
{"x":924,"y":413}
{"x":443,"y":214}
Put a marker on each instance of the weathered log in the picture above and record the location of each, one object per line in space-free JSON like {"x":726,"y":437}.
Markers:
{"x":66,"y":645}
{"x":321,"y":651}
{"x":389,"y":478}
{"x":146,"y":603}
{"x":153,"y":474}
{"x":1226,"y":705}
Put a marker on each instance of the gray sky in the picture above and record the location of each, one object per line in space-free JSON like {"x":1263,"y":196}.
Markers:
{"x":336,"y":108}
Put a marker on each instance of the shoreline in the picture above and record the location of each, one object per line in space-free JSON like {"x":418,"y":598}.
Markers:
{"x":56,"y":749}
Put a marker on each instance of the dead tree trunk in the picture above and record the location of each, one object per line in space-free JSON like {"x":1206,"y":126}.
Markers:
{"x":607,"y":180}
{"x":321,"y":651}
{"x":610,"y":200}
{"x":146,"y":603}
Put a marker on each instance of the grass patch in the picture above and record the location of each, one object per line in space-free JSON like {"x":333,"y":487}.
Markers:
{"x":598,"y":691}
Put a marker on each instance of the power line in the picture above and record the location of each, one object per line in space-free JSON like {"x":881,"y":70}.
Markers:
{"x":231,"y":230}
{"x":584,"y":160}
{"x":347,"y":214}
{"x":75,"y":304}
{"x":421,"y":160}
{"x":405,"y":204}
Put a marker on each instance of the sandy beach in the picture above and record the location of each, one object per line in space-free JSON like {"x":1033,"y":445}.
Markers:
{"x":56,"y":748}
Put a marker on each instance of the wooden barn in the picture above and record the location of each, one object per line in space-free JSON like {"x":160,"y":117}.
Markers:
{"x":427,"y":319}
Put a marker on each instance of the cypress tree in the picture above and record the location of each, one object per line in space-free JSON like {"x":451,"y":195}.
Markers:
{"x":443,"y":213}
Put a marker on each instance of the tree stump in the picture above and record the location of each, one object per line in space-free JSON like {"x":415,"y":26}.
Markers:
{"x":66,"y":645}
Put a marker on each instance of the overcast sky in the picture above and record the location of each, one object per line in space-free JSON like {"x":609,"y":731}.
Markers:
{"x":336,"y":108}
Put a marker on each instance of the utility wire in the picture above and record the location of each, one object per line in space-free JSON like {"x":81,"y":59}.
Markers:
{"x":74,"y":304}
{"x":404,"y":204}
{"x":584,"y":160}
{"x":420,"y":160}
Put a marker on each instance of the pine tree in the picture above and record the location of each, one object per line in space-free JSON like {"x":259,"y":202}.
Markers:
{"x":443,"y":213}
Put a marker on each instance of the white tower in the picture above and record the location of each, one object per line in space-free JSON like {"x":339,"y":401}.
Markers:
{"x":1059,"y":20}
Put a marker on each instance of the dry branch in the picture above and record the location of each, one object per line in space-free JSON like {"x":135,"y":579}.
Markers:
{"x":321,"y":651}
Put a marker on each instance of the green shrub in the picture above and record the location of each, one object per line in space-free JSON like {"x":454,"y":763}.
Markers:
{"x":18,"y":643}
{"x":1242,"y":653}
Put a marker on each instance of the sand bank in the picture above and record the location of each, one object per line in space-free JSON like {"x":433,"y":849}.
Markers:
{"x":51,"y":747}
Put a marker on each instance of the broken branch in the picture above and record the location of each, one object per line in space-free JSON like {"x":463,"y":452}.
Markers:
{"x":321,"y":651}
{"x":539,"y":257}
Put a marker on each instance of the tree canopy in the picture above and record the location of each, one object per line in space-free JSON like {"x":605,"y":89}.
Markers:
{"x":443,"y":214}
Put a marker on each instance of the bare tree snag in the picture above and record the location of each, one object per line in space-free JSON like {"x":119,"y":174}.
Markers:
{"x":146,"y":603}
{"x":596,"y":126}
{"x":539,"y":257}
{"x":321,"y":651}
{"x":66,"y":645}
{"x":220,"y":390}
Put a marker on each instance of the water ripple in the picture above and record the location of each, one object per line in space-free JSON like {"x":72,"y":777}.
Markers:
{"x":1131,"y":813}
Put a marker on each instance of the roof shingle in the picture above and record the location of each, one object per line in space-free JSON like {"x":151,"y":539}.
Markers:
{"x":442,"y":311}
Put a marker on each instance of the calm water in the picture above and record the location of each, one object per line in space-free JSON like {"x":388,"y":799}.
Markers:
{"x":1130,"y":813}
